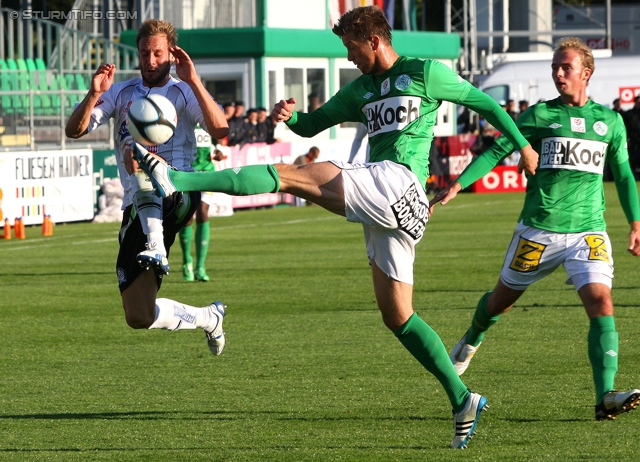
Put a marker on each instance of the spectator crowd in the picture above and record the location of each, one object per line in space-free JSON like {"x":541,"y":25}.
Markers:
{"x":254,"y":126}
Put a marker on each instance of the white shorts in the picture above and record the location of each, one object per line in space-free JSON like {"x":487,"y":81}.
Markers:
{"x":207,"y":197}
{"x":389,"y":201}
{"x":535,"y":253}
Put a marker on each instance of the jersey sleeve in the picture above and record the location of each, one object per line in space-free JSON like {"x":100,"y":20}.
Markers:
{"x":617,"y":151}
{"x":483,"y":104}
{"x":486,"y":161}
{"x":340,"y":108}
{"x":104,"y":108}
{"x":618,"y":158}
{"x":444,"y":84}
{"x":194,"y":111}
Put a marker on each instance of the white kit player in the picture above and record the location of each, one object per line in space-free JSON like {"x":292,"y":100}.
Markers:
{"x":150,"y":223}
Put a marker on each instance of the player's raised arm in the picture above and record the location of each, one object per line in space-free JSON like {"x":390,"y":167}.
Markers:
{"x":101,"y":81}
{"x":214,"y":119}
{"x":498,"y":117}
{"x":283,"y":110}
{"x":444,"y":196}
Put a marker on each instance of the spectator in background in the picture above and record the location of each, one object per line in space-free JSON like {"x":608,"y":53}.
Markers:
{"x":615,"y":106}
{"x":511,"y":109}
{"x":632,"y":122}
{"x":314,"y":102}
{"x":266,"y":127}
{"x":250,"y":130}
{"x":465,"y":121}
{"x":308,"y":158}
{"x":523,"y":105}
{"x":236,"y":124}
{"x":229,"y":111}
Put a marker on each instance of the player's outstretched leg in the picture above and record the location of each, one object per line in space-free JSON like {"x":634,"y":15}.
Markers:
{"x":157,"y":170}
{"x":462,"y":354}
{"x":465,"y":421}
{"x":466,"y":348}
{"x":172,"y":315}
{"x":239,"y":181}
{"x":615,"y":403}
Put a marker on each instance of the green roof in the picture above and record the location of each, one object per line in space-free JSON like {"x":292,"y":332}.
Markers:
{"x":300,"y":43}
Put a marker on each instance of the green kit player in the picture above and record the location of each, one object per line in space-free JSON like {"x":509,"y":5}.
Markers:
{"x":202,"y":163}
{"x":562,"y":220}
{"x":397,"y":99}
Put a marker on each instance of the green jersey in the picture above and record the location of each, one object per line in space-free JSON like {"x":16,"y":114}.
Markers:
{"x":399,"y":109}
{"x":566,"y":195}
{"x":203,"y":162}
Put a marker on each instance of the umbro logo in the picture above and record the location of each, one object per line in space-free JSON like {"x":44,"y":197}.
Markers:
{"x":611,"y":353}
{"x":554,"y":126}
{"x":368,"y":95}
{"x":236,"y":170}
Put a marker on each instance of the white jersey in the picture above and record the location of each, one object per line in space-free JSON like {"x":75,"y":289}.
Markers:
{"x":179,"y":151}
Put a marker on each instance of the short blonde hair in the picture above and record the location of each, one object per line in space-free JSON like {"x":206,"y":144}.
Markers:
{"x":153,"y":27}
{"x":576,"y":44}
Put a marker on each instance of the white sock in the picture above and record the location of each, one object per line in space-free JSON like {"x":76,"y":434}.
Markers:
{"x":149,"y":209}
{"x":172,"y":315}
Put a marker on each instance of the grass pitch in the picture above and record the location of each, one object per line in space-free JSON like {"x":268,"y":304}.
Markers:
{"x":309,"y":371}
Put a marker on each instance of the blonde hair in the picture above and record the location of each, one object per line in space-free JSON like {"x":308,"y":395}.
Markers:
{"x":364,"y":22}
{"x":576,"y":44}
{"x":153,"y":27}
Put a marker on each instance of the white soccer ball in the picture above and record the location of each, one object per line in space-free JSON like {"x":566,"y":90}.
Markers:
{"x":152,"y":120}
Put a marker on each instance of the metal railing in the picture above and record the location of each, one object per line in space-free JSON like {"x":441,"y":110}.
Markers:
{"x":61,"y":48}
{"x":35,"y":118}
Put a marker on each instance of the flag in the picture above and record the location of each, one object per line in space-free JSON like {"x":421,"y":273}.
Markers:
{"x":409,"y":20}
{"x":334,"y":12}
{"x":389,"y":11}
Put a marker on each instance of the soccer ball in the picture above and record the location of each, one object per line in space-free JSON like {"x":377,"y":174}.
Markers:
{"x":152,"y":120}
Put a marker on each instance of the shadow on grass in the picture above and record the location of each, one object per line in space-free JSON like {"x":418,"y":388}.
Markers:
{"x":56,"y":274}
{"x":224,"y":415}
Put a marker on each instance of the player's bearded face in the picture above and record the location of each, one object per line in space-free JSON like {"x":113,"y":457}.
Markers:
{"x":155,"y":60}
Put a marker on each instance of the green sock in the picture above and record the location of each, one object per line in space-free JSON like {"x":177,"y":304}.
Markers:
{"x":482,"y":320}
{"x":202,"y":243}
{"x":425,"y":345}
{"x":603,"y":354}
{"x":186,"y":234}
{"x":241,"y":181}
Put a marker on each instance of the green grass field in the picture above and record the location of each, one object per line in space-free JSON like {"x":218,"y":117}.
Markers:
{"x":309,"y":371}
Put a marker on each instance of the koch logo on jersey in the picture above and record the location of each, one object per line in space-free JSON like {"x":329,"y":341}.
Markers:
{"x":391,"y":114}
{"x":411,"y":213}
{"x":573,"y":154}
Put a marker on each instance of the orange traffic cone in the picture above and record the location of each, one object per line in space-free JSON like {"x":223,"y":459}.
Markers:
{"x":47,"y":226}
{"x":18,"y":226}
{"x":7,"y":229}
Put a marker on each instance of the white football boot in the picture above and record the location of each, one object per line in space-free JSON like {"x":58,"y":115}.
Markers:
{"x":155,"y":257}
{"x":465,"y":421}
{"x":615,"y":403}
{"x":214,"y":332}
{"x":156,"y":168}
{"x":462,"y":353}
